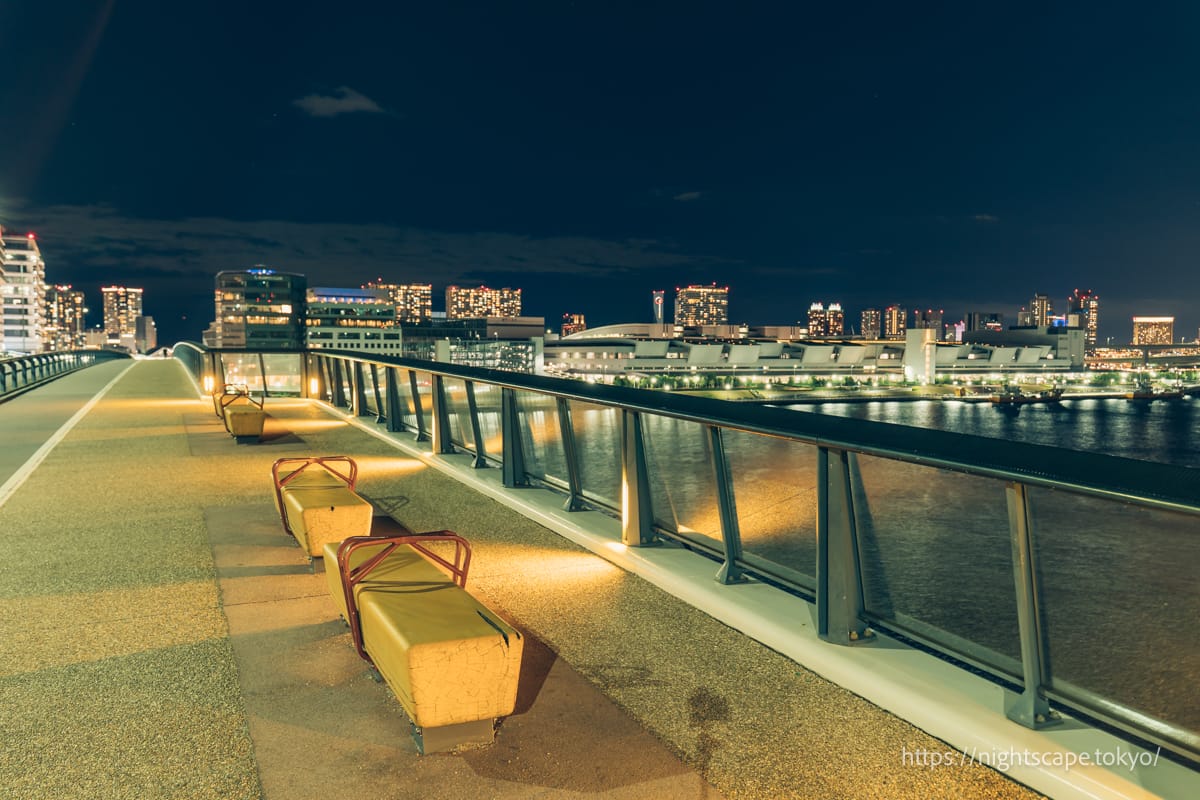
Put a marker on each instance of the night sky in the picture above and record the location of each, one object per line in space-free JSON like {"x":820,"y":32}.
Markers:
{"x":959,"y":156}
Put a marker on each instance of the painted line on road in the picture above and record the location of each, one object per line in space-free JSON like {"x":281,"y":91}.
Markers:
{"x":25,"y":470}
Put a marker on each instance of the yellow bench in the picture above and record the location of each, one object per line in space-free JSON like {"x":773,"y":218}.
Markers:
{"x":243,"y":415}
{"x":451,"y":662}
{"x":317,"y":502}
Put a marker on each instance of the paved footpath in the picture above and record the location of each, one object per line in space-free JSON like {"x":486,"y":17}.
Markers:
{"x":160,"y":637}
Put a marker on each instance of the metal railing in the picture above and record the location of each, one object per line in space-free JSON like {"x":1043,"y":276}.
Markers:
{"x":22,"y":373}
{"x":1067,"y":577}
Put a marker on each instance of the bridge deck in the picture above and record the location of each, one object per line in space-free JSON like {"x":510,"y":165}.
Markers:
{"x":161,"y":637}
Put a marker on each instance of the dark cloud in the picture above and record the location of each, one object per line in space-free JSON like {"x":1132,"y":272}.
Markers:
{"x":343,"y":100}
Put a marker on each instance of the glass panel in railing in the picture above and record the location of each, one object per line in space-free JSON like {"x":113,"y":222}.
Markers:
{"x":487,"y":404}
{"x":368,"y":377}
{"x":775,"y":486}
{"x":242,"y":369}
{"x":459,"y":412}
{"x":283,"y":373}
{"x":682,"y":485}
{"x":540,"y":437}
{"x":598,"y":444}
{"x":425,"y":394}
{"x":1119,"y":591}
{"x":381,"y":384}
{"x":936,"y":557}
{"x":408,"y":408}
{"x":345,"y":372}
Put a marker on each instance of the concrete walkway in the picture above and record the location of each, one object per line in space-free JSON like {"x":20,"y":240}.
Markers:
{"x":161,"y":637}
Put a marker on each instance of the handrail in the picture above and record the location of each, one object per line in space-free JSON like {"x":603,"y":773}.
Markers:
{"x":20,"y":374}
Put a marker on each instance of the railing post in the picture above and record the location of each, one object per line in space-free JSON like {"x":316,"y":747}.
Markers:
{"x":637,"y":518}
{"x":566,"y":431}
{"x":513,"y":452}
{"x":1029,"y":708}
{"x":730,"y":571}
{"x":395,"y":418}
{"x":418,"y":407}
{"x":476,"y":431}
{"x":839,"y":576}
{"x":441,"y":418}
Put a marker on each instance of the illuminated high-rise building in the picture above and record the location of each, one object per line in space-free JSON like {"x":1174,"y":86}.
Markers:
{"x":824,"y":321}
{"x":413,"y":301}
{"x":22,"y":294}
{"x":122,"y":307}
{"x":464,"y":303}
{"x":65,"y":318}
{"x":895,"y":322}
{"x":258,"y":308}
{"x":1086,"y":305}
{"x":573,"y":323}
{"x":1153,"y":330}
{"x":869,"y":325}
{"x":1040,"y":309}
{"x":702,"y":305}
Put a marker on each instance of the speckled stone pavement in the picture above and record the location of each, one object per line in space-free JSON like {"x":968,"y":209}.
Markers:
{"x":160,"y":638}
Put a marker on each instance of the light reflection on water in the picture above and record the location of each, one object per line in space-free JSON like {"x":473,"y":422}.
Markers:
{"x":1162,"y":430}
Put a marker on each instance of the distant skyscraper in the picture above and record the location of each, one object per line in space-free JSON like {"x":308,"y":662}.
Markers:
{"x":22,"y":294}
{"x":895,"y":322}
{"x":870,"y":327}
{"x":145,"y":334}
{"x":702,"y":305}
{"x":1040,"y":310}
{"x":985,"y":321}
{"x":413,"y":301}
{"x":122,"y":307}
{"x":65,"y":321}
{"x":824,"y":321}
{"x":659,"y":300}
{"x":573,"y":323}
{"x":1086,"y":305}
{"x":816,"y":320}
{"x":463,"y":303}
{"x":928,"y":319}
{"x":258,"y":308}
{"x":1153,"y":330}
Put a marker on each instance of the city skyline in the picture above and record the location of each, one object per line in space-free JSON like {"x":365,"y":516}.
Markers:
{"x":867,"y":156}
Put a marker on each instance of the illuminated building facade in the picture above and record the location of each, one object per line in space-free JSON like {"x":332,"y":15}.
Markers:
{"x":413,"y":301}
{"x":351,"y":319}
{"x":869,"y":323}
{"x":1153,"y":330}
{"x":702,"y":305}
{"x":258,"y":308}
{"x":65,"y":318}
{"x":824,"y":321}
{"x":573,"y":323}
{"x":122,"y":307}
{"x":895,"y":322}
{"x":464,"y":303}
{"x":1086,"y":306}
{"x":22,"y":294}
{"x":1040,"y":309}
{"x":145,"y":334}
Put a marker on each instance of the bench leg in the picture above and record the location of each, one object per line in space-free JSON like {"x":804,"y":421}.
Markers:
{"x":450,"y":737}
